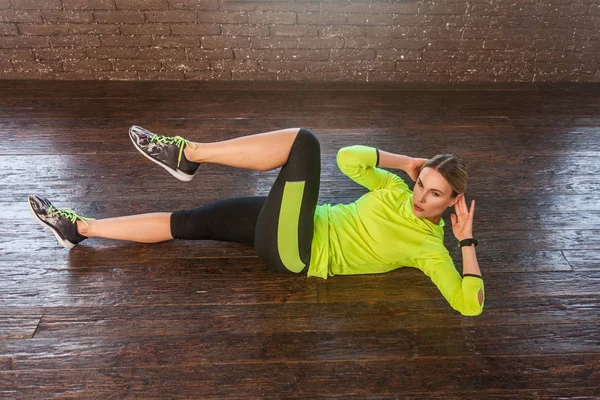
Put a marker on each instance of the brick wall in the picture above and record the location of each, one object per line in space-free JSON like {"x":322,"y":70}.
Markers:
{"x":327,"y":40}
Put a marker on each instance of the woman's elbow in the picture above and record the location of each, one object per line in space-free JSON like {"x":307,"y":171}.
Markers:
{"x":471,"y":312}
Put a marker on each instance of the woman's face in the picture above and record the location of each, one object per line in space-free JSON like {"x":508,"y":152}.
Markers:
{"x":432,"y":194}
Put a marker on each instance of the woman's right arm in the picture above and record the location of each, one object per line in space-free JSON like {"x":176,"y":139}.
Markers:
{"x":412,"y":166}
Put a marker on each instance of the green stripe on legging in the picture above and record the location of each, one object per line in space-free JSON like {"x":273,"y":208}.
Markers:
{"x":287,"y":230}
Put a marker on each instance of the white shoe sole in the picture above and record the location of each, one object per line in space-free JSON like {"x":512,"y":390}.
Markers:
{"x":176,"y":173}
{"x":64,"y":243}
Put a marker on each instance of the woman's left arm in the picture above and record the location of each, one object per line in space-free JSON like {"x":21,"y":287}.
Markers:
{"x":462,"y":227}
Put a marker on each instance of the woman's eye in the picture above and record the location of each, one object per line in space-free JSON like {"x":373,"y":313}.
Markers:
{"x":436,"y":195}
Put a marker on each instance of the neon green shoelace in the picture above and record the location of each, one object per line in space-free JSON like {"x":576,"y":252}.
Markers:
{"x":176,"y":140}
{"x":69,"y":214}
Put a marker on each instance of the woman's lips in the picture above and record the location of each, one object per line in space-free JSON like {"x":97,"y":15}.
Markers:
{"x":418,"y":208}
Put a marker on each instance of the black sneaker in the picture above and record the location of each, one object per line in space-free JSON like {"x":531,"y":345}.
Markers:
{"x":60,"y":221}
{"x":165,"y":151}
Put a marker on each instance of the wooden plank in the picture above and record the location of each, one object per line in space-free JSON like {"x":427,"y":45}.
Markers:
{"x":18,"y":322}
{"x":148,"y":281}
{"x":402,"y":345}
{"x":141,"y":88}
{"x":526,"y":149}
{"x":409,"y":312}
{"x":462,"y":376}
{"x":409,"y":282}
{"x":583,"y":260}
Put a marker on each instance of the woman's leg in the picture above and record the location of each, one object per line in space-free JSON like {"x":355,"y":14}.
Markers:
{"x":284,"y":230}
{"x":263,"y":151}
{"x":231,"y":220}
{"x":142,"y":228}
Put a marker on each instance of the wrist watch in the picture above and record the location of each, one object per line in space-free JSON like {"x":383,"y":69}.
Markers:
{"x":468,"y":242}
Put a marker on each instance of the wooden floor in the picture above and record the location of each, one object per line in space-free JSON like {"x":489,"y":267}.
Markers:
{"x":206,"y":320}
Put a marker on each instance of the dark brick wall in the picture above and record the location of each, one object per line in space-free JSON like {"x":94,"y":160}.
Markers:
{"x":328,"y":40}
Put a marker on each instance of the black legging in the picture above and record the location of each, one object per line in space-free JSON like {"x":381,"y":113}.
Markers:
{"x":280,"y":225}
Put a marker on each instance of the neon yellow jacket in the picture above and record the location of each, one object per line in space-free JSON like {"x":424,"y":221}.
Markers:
{"x":379,"y":232}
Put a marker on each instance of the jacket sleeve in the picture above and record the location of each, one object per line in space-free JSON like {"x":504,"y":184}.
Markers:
{"x":465,"y":294}
{"x":359,"y":163}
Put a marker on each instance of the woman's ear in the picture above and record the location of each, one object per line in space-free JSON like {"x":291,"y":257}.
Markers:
{"x":456,"y":199}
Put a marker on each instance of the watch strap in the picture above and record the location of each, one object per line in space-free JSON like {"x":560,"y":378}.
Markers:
{"x":468,"y":242}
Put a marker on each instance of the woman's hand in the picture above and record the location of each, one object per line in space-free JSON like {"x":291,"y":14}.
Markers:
{"x":462,"y":221}
{"x":415,"y":168}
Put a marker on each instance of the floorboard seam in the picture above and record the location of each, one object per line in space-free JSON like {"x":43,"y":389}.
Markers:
{"x":38,"y":324}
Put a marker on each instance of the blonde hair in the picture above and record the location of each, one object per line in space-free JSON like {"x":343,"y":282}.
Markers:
{"x":452,"y":168}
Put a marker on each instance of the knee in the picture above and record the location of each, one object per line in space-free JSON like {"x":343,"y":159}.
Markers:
{"x":309,"y":137}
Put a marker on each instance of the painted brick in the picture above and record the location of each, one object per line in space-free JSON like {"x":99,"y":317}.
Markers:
{"x":223,"y":17}
{"x":195,"y":29}
{"x":111,"y":52}
{"x":20,"y":16}
{"x":89,"y":4}
{"x":408,"y":66}
{"x":109,"y":76}
{"x":119,"y":17}
{"x":322,"y":19}
{"x":283,"y":65}
{"x":136,"y":65}
{"x":93,"y":29}
{"x":13,"y":54}
{"x":36,"y":4}
{"x":90,"y":64}
{"x":235,"y":65}
{"x":68,"y":16}
{"x":340,"y":31}
{"x":161,"y":75}
{"x":245,"y":30}
{"x":246,"y":6}
{"x":142,"y":5}
{"x":196,"y":4}
{"x":390,"y":31}
{"x":274,"y":43}
{"x":145,"y":29}
{"x":254,"y":76}
{"x":60,"y":54}
{"x":42,"y":29}
{"x":218,"y":42}
{"x":38,"y":66}
{"x":6,"y":66}
{"x":24,"y":42}
{"x":352,"y":54}
{"x":210,"y":54}
{"x":412,"y":44}
{"x":261,"y":55}
{"x":127,"y":41}
{"x":297,"y":7}
{"x":399,"y":55}
{"x":161,"y":53}
{"x":182,"y":65}
{"x":272,"y":17}
{"x":437,"y":8}
{"x":306,"y":55}
{"x":293,"y":30}
{"x":8,"y":29}
{"x":370,"y":19}
{"x":174,"y":41}
{"x":171,"y":16}
{"x":318,"y":43}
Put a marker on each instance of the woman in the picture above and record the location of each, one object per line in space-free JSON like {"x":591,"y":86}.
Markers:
{"x":386,"y":228}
